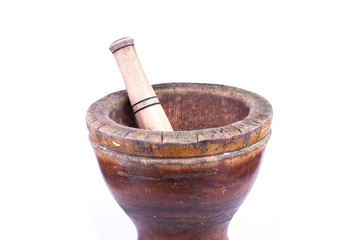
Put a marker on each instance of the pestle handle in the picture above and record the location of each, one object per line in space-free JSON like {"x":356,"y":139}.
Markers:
{"x":148,"y":111}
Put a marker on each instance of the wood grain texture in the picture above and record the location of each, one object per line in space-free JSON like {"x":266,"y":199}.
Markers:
{"x":186,"y":184}
{"x":208,"y":119}
{"x":149,"y":114}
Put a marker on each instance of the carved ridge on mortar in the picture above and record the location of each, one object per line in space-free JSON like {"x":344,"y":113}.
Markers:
{"x":185,"y":160}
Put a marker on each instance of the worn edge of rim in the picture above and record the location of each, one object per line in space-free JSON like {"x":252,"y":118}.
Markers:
{"x":111,"y":154}
{"x":112,"y":130}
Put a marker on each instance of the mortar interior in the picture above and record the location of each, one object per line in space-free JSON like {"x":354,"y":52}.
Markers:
{"x":189,"y":109}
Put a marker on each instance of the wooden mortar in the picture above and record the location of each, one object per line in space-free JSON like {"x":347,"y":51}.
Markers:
{"x":186,"y":184}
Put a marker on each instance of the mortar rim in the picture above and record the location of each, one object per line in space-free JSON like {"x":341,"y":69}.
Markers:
{"x":194,"y":143}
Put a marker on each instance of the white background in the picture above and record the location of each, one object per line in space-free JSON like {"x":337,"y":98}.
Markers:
{"x":303,"y":56}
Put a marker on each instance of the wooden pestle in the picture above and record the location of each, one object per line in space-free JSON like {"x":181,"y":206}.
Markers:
{"x":148,"y":111}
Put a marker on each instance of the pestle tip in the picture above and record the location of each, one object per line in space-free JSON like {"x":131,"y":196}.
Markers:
{"x":121,"y":43}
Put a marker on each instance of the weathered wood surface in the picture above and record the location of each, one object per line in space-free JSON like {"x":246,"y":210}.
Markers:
{"x":189,"y":183}
{"x":208,"y":119}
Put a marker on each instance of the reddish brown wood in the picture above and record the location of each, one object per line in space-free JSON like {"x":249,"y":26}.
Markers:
{"x":189,"y":183}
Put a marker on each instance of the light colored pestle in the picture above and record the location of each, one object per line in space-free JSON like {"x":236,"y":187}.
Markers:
{"x":148,"y":111}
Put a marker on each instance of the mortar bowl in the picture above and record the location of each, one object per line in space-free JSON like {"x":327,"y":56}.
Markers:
{"x":189,"y":183}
